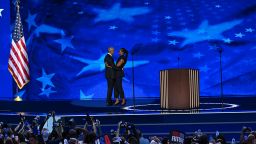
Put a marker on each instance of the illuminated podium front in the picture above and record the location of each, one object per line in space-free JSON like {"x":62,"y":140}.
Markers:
{"x":179,"y":88}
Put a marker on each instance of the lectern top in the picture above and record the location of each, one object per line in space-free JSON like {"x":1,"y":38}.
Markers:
{"x":179,"y":69}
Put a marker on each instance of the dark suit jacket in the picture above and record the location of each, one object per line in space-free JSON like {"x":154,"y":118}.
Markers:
{"x":109,"y":72}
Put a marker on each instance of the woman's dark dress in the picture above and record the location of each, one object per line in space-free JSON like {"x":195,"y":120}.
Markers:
{"x":119,"y":78}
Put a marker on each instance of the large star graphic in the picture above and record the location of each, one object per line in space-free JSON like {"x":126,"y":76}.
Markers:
{"x":1,"y":12}
{"x":31,"y":20}
{"x":116,"y":12}
{"x":249,"y":30}
{"x":65,"y":42}
{"x":172,"y":42}
{"x":227,"y":40}
{"x":43,"y":28}
{"x":47,"y":91}
{"x":46,"y":79}
{"x":239,"y":35}
{"x":98,"y":65}
{"x":85,"y":97}
{"x":167,"y":17}
{"x":205,"y":32}
{"x":113,"y":27}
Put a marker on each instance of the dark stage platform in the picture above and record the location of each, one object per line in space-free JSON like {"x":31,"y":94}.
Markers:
{"x":210,"y":117}
{"x":142,"y":106}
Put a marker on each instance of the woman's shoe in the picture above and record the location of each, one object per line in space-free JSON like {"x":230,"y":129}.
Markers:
{"x":117,"y":102}
{"x":123,"y":102}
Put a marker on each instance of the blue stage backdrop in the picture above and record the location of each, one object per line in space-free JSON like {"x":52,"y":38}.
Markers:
{"x":5,"y":39}
{"x":68,"y":39}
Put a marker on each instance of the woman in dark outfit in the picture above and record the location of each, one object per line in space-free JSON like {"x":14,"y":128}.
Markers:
{"x":120,"y":63}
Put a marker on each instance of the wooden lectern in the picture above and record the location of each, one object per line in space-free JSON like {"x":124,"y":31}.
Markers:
{"x":179,"y":88}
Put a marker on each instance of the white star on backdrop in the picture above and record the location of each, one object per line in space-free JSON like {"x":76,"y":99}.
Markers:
{"x":212,"y":32}
{"x":172,"y":42}
{"x":218,"y":6}
{"x":65,"y":42}
{"x":227,"y":40}
{"x":240,"y":35}
{"x":167,"y":17}
{"x":47,"y":91}
{"x":1,"y":12}
{"x":46,"y":79}
{"x":117,"y":12}
{"x":31,"y":20}
{"x":113,"y":27}
{"x":249,"y":30}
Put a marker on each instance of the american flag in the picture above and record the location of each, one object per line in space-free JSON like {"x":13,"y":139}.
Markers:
{"x":18,"y":60}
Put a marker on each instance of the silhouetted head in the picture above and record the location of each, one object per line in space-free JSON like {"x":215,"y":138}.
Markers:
{"x":123,"y":52}
{"x":111,"y":50}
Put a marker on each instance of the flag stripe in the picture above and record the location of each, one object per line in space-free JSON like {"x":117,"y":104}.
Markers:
{"x":23,"y":49}
{"x":16,"y":73}
{"x":12,"y":61}
{"x":16,"y":60}
{"x":22,"y":58}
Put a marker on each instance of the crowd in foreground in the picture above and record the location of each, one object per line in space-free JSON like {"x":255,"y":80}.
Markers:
{"x":55,"y":131}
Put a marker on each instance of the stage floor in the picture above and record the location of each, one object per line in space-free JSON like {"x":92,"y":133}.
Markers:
{"x":142,"y":106}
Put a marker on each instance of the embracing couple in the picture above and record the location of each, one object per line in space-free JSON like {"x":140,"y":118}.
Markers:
{"x":114,"y":74}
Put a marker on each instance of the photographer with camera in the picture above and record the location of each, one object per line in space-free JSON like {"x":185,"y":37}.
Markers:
{"x":247,"y":136}
{"x":130,"y":134}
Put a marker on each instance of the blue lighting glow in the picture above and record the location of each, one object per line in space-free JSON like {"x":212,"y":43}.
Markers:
{"x":68,"y":40}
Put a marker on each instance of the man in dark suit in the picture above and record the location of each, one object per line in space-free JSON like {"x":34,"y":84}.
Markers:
{"x":110,"y":73}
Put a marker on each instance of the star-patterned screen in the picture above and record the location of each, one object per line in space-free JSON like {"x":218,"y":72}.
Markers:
{"x":5,"y":40}
{"x":68,"y":39}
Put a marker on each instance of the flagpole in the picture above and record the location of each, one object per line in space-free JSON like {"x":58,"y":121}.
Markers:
{"x":15,"y":86}
{"x":16,"y":90}
{"x":133,"y":87}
